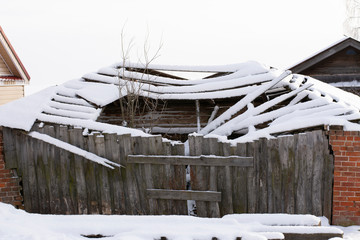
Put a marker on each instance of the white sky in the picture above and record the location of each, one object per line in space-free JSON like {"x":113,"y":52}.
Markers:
{"x":62,"y":40}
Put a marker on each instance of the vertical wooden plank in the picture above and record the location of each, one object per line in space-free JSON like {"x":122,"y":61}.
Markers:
{"x":198,"y":174}
{"x":178,"y":181}
{"x":309,"y":172}
{"x":102,"y":177}
{"x":40,"y":149}
{"x":253,"y":180}
{"x":18,"y":146}
{"x":92,"y":185}
{"x":30,"y":187}
{"x":274,"y":177}
{"x":165,"y":178}
{"x":131,"y":146}
{"x":327,"y":178}
{"x":11,"y":160}
{"x":317,"y":173}
{"x":53,"y":173}
{"x":261,"y":156}
{"x":112,"y":152}
{"x":211,"y":146}
{"x":286,"y":151}
{"x":72,"y":181}
{"x":143,"y":173}
{"x":226,"y":206}
{"x":300,"y":167}
{"x":125,"y":149}
{"x":66,"y":202}
{"x":76,"y":139}
{"x":239,"y":179}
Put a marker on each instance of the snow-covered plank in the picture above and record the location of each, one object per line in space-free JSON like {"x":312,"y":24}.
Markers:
{"x":297,"y":124}
{"x":101,"y":94}
{"x":90,"y":124}
{"x":251,"y":67}
{"x":73,"y":149}
{"x":71,"y":113}
{"x":229,"y":126}
{"x":72,"y":107}
{"x":268,"y":116}
{"x":71,"y":100}
{"x":242,"y":103}
{"x":214,"y":86}
{"x":202,"y":95}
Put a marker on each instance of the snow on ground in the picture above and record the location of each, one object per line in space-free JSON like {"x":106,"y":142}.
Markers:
{"x":20,"y":225}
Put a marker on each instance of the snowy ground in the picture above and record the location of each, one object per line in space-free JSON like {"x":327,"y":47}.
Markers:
{"x":17,"y":224}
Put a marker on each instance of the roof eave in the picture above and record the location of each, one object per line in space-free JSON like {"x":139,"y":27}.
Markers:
{"x":325,"y":53}
{"x":21,"y":68}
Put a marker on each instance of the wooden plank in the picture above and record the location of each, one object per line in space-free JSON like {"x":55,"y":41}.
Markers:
{"x":252,"y":180}
{"x":178,"y":180}
{"x":19,"y":139}
{"x":203,"y":160}
{"x":240,"y":183}
{"x":42,"y":173}
{"x":208,"y":196}
{"x":125,"y":149}
{"x":286,"y":152}
{"x":211,"y":146}
{"x":102,"y":177}
{"x":318,"y":166}
{"x":308,"y":174}
{"x":327,"y":178}
{"x":312,"y":236}
{"x":76,"y":139}
{"x":112,"y":152}
{"x":53,"y":173}
{"x":274,"y":177}
{"x":92,"y":185}
{"x":66,"y":202}
{"x":261,"y":153}
{"x":130,"y":145}
{"x":10,"y":157}
{"x":224,"y":181}
{"x":300,"y":167}
{"x":166,"y":177}
{"x":26,"y":161}
{"x":144,"y":178}
{"x":198,"y":174}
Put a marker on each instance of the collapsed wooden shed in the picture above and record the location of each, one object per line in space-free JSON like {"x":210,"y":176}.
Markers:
{"x":235,"y":108}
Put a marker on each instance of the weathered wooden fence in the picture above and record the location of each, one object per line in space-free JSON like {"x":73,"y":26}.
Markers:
{"x":290,"y":174}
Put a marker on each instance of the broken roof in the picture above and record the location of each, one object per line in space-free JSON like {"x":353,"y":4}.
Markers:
{"x":290,"y":101}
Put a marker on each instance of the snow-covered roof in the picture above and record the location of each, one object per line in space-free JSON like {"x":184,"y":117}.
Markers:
{"x":290,"y":102}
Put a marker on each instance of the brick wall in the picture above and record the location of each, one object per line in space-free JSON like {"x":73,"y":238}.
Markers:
{"x":9,"y":182}
{"x":346,"y":190}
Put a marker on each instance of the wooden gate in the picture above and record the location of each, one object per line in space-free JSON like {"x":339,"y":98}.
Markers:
{"x":163,"y":186}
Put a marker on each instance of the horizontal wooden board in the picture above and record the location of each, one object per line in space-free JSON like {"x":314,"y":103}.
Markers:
{"x":210,"y":196}
{"x":203,"y":160}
